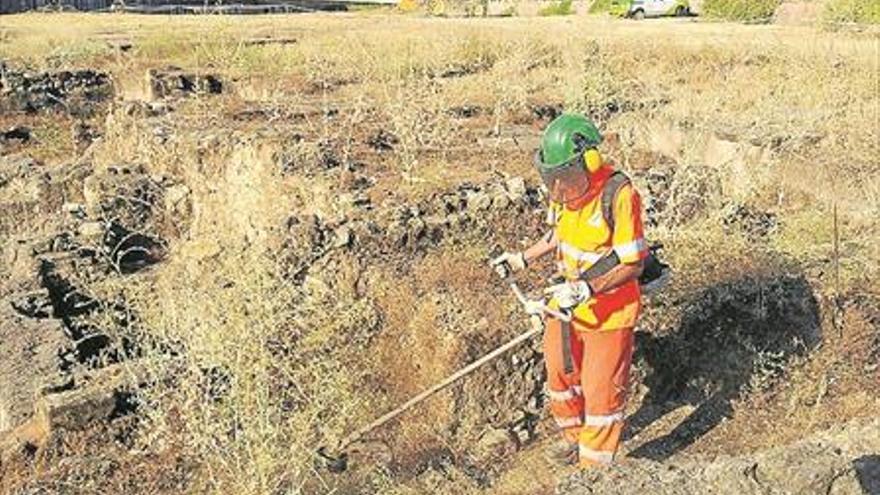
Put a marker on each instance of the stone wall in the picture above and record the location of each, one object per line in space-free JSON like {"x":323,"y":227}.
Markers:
{"x":13,"y":6}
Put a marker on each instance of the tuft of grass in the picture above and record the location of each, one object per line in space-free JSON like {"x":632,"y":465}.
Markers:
{"x":601,"y":6}
{"x":740,"y":10}
{"x":851,"y":11}
{"x":562,"y":7}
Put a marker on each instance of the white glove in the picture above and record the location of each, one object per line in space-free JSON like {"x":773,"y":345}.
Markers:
{"x":569,"y":294}
{"x":534,"y":307}
{"x":509,"y":262}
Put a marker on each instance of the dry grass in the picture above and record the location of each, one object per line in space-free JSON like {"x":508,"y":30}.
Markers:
{"x":266,"y":366}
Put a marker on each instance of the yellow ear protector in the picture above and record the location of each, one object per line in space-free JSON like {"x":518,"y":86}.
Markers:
{"x":592,"y":160}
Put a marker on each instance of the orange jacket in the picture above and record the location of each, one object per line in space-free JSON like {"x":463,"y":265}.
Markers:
{"x":584,"y":238}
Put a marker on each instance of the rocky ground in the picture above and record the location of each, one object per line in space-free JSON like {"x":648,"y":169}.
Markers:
{"x":842,"y":460}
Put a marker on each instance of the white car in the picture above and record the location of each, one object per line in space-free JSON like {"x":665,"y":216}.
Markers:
{"x":639,"y":9}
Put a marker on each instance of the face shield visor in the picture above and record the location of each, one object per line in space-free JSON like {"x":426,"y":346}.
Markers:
{"x":566,"y":182}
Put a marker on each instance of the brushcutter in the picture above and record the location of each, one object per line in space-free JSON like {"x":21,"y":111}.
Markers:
{"x":336,"y":460}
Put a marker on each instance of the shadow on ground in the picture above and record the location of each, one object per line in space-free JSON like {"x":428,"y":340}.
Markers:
{"x":733,"y":336}
{"x":868,"y":472}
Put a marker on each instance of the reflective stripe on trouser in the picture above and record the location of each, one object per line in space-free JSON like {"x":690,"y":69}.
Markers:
{"x":602,"y":361}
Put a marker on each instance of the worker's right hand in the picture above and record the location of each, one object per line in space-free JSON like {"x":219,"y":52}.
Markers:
{"x":569,"y":294}
{"x":509,"y":262}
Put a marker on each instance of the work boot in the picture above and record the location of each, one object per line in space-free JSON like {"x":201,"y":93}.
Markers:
{"x":562,"y":452}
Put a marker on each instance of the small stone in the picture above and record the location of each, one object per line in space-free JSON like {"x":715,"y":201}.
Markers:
{"x":342,"y":237}
{"x":19,"y":133}
{"x":73,"y":208}
{"x":361,"y":199}
{"x":516,"y":187}
{"x":397,"y":233}
{"x":479,"y":201}
{"x":92,"y":193}
{"x":454,"y":219}
{"x":416,"y":227}
{"x":175,"y":195}
{"x":500,"y":202}
{"x":435,"y":221}
{"x":494,"y":441}
{"x":91,"y":230}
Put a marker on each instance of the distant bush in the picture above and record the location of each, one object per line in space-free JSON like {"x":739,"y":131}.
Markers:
{"x":600,"y":6}
{"x":509,"y":11}
{"x":861,"y":11}
{"x":563,"y":7}
{"x":741,"y":10}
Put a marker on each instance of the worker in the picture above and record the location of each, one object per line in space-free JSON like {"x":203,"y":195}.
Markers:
{"x":600,"y":260}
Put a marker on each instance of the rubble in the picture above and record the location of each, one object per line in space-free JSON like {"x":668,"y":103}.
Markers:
{"x":73,"y":404}
{"x":18,"y":133}
{"x":87,"y":398}
{"x":391,"y":228}
{"x":175,"y":82}
{"x":383,"y":141}
{"x":45,"y":306}
{"x":73,"y":92}
{"x":29,"y":344}
{"x":15,"y":167}
{"x":466,"y":111}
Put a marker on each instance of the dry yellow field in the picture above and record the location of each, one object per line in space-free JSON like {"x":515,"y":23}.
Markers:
{"x":300,"y":210}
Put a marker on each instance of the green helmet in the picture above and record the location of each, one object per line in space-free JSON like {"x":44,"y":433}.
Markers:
{"x":566,"y":138}
{"x":560,"y":159}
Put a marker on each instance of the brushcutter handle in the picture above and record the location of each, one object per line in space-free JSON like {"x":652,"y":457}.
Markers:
{"x":564,"y":315}
{"x":503,"y":270}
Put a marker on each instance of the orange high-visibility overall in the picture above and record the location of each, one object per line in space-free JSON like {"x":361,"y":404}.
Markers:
{"x":588,"y":360}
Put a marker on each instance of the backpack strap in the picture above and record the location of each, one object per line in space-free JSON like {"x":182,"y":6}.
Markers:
{"x":612,"y":186}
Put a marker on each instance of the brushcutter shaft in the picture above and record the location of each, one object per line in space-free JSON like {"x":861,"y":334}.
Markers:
{"x":537,"y":327}
{"x":354,"y":437}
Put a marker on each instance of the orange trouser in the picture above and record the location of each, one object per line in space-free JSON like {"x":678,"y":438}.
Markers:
{"x":587,"y":380}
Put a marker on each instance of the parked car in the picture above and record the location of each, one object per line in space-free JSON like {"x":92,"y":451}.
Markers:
{"x":639,"y":9}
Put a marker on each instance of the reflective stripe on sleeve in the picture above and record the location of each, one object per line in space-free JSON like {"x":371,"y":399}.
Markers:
{"x":569,"y":422}
{"x":578,"y":254}
{"x":630,"y":249}
{"x":605,"y":458}
{"x":603,"y":420}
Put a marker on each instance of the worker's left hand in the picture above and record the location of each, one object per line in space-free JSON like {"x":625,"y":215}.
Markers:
{"x":534,"y":307}
{"x":569,"y":294}
{"x":508,"y":263}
